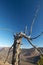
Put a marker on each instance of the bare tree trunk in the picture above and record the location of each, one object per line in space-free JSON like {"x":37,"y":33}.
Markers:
{"x":16,"y":47}
{"x":16,"y":52}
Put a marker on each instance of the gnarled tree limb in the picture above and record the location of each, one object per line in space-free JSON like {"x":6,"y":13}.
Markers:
{"x":37,"y":36}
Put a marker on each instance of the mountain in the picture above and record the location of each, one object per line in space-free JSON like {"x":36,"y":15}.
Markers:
{"x":27,"y":57}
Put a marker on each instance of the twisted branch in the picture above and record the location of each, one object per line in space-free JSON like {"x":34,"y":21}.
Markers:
{"x":37,"y":36}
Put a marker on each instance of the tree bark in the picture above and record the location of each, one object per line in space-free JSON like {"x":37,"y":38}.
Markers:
{"x":16,"y":52}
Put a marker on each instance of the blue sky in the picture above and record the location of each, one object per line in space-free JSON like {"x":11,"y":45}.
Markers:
{"x":15,"y":15}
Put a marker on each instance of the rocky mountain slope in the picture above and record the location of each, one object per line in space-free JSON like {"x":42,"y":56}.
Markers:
{"x":27,"y":57}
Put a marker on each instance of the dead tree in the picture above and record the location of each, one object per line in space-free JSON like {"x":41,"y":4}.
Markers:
{"x":16,"y":50}
{"x":17,"y":43}
{"x":16,"y":46}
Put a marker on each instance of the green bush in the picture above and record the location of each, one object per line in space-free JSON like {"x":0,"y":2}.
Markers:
{"x":40,"y":61}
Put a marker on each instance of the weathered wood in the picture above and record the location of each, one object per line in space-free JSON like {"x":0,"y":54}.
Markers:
{"x":16,"y":51}
{"x":16,"y":47}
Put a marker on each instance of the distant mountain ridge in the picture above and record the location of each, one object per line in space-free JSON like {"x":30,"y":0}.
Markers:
{"x":27,"y":55}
